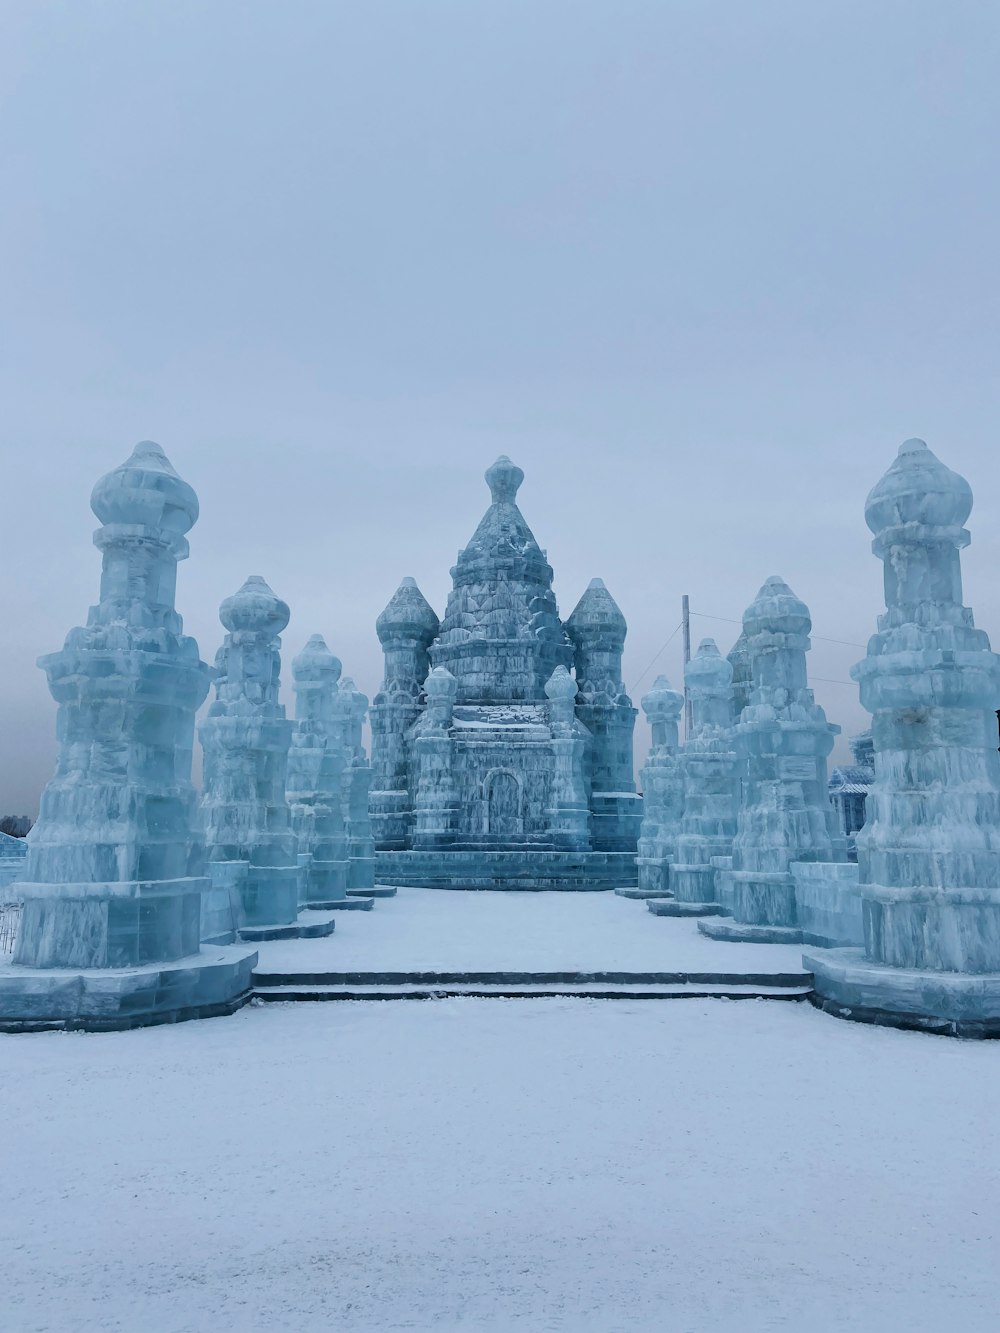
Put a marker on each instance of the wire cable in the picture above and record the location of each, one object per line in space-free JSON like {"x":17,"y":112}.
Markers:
{"x":639,"y":679}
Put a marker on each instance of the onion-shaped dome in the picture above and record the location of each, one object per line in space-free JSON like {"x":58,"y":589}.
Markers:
{"x":440,"y":685}
{"x":918,"y":488}
{"x":146,"y":490}
{"x":255,"y":609}
{"x":776,"y":610}
{"x":560,"y":685}
{"x":408,"y":615}
{"x":708,"y":672}
{"x":597,"y":613}
{"x":662,"y":703}
{"x":316,"y":663}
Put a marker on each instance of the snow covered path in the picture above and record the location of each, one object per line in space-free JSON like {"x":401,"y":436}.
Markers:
{"x":695,"y":1167}
{"x":456,"y":930}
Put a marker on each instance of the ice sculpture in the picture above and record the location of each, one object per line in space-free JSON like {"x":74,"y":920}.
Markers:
{"x":707,"y":764}
{"x":246,"y":821}
{"x":929,"y":853}
{"x":662,"y":793}
{"x":13,"y":859}
{"x":475,"y":772}
{"x":785,"y":813}
{"x":316,"y":779}
{"x":350,"y":711}
{"x":110,"y":930}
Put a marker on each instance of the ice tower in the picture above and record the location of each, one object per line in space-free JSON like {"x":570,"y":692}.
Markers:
{"x":476,"y":779}
{"x":707,"y":764}
{"x":110,"y":932}
{"x":783,"y":739}
{"x":662,"y":792}
{"x":929,"y":853}
{"x":247,"y":825}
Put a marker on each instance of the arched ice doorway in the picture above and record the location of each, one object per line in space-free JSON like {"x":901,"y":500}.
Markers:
{"x":504,"y":806}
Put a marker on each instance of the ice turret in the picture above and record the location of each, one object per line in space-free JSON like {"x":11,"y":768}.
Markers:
{"x":351,"y":708}
{"x":662,"y":789}
{"x":597,"y":631}
{"x":316,"y":778}
{"x":929,"y":853}
{"x":784,"y":739}
{"x":406,"y":629}
{"x":248,"y":834}
{"x":107,"y":893}
{"x":707,"y":762}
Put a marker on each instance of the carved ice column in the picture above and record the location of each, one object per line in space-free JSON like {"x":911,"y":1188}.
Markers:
{"x":436,"y":799}
{"x":929,"y":853}
{"x":353,"y":707}
{"x":246,"y":737}
{"x":662,"y":791}
{"x":107,"y":895}
{"x":785,"y":814}
{"x":597,"y":630}
{"x":406,"y":629}
{"x":708,"y":766}
{"x":316,"y":779}
{"x":568,"y":814}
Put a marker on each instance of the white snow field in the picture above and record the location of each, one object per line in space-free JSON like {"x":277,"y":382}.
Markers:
{"x":453,"y":930}
{"x":675,"y":1166}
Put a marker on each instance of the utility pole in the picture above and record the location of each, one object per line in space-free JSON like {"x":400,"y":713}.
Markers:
{"x":686,"y":623}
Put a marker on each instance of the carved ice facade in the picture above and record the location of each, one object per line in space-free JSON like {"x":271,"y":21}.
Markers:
{"x":481,"y":777}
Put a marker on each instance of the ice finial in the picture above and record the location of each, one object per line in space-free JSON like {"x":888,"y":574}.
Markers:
{"x":504,"y":480}
{"x":918,"y":488}
{"x":316,"y":662}
{"x":597,"y":612}
{"x":255,"y":609}
{"x":663,"y":702}
{"x":146,"y":491}
{"x":776,"y":609}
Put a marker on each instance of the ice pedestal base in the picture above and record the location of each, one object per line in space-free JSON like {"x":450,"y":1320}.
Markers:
{"x":739,"y":932}
{"x":668,"y":907}
{"x":312,"y":926}
{"x":526,"y":870}
{"x":208,"y":984}
{"x":644,"y":893}
{"x":956,"y":1004}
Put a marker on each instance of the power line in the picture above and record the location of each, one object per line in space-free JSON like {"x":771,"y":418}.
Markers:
{"x":638,"y":681}
{"x":847,"y":643}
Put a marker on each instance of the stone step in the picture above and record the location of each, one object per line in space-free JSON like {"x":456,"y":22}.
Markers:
{"x":263,"y":980}
{"x":669,"y":907}
{"x":355,"y":904}
{"x":644,"y":893}
{"x":534,"y":991}
{"x":379,"y":891}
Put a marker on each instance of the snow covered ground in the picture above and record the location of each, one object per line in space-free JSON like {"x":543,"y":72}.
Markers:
{"x":593,"y":1167}
{"x":447,"y":930}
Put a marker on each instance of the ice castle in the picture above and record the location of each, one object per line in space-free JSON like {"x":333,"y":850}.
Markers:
{"x":481,"y":777}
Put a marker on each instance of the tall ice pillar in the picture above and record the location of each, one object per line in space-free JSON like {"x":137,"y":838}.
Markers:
{"x":111,"y":927}
{"x":352,"y":707}
{"x":662,"y":792}
{"x":929,"y":853}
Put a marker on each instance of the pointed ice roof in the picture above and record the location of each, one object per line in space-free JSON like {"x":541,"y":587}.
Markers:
{"x":596,"y":612}
{"x":918,"y":488}
{"x":502,"y":534}
{"x":408,"y":613}
{"x":255,"y":609}
{"x":316,"y":662}
{"x":145,"y":490}
{"x":776,"y":608}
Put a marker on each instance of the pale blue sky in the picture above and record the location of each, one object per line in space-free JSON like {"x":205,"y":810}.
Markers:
{"x":697,"y":267}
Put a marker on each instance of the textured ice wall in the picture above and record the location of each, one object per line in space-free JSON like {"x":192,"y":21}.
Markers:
{"x":107,"y":882}
{"x":708,"y":763}
{"x":929,"y":854}
{"x":246,"y":738}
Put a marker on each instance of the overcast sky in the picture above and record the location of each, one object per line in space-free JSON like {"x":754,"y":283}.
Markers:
{"x":697,"y":267}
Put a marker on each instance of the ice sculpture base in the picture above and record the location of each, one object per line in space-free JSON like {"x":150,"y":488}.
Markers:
{"x":518,"y":870}
{"x":644,"y":893}
{"x":954,"y":1004}
{"x":208,"y":984}
{"x":342,"y":905}
{"x":738,"y":932}
{"x":376,"y":891}
{"x":667,"y":907}
{"x":303,"y":929}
